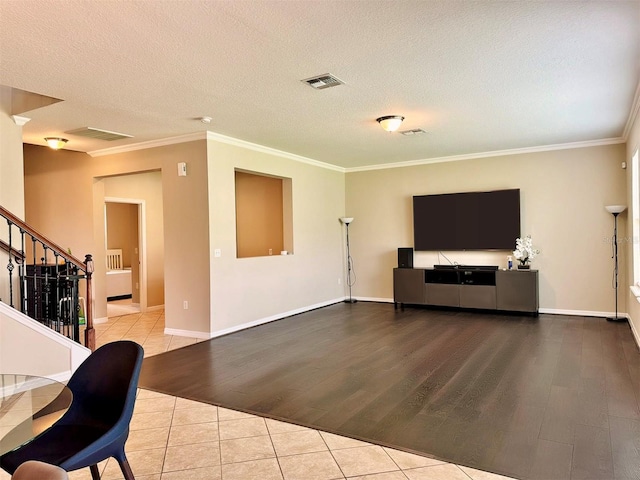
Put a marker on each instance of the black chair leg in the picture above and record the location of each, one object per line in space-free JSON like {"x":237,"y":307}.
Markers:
{"x":126,"y":469}
{"x":95,"y":473}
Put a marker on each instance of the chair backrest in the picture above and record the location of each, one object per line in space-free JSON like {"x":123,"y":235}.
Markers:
{"x":104,"y":386}
{"x":114,"y":259}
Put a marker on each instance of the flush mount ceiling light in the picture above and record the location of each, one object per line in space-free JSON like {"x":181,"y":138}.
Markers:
{"x":56,"y":142}
{"x":206,"y":120}
{"x":391,"y":122}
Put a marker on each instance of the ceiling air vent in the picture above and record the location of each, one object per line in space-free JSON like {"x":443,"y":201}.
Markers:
{"x":98,"y":134}
{"x":415,"y":131}
{"x":323,"y":81}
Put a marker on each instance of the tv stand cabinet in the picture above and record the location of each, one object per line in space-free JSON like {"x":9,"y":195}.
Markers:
{"x":485,"y":288}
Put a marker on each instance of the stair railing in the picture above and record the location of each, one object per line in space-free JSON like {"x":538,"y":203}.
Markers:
{"x":46,"y":285}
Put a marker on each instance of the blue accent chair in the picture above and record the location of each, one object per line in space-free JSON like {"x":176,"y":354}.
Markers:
{"x":96,"y":426}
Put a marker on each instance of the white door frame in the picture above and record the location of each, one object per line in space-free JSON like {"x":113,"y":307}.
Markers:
{"x":142,"y":242}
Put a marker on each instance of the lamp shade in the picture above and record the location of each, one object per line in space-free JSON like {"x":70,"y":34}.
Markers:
{"x":56,"y":142}
{"x":615,"y":208}
{"x":346,"y":220}
{"x":391,"y":122}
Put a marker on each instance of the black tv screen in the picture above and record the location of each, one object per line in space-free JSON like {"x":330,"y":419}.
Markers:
{"x":467,"y":221}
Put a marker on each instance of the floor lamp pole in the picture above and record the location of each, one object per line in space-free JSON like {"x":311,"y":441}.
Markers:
{"x":347,"y":221}
{"x":615,"y":210}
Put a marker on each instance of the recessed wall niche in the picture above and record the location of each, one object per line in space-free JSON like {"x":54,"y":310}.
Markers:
{"x":264,"y":214}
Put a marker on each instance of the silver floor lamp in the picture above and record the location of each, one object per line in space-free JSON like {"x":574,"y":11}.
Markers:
{"x":350,"y":282}
{"x":615,"y":210}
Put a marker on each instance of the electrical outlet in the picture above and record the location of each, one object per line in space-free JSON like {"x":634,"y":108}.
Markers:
{"x":185,"y":305}
{"x":217,"y":253}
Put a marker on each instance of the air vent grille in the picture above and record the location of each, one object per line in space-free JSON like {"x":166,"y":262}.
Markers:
{"x":91,"y":132}
{"x":323,"y":81}
{"x":415,"y":131}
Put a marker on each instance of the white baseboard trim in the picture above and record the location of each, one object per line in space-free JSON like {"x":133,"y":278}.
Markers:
{"x":187,"y":333}
{"x":255,"y":323}
{"x":277,"y":316}
{"x":374,"y":299}
{"x":155,"y":308}
{"x":100,"y":320}
{"x":636,"y":335}
{"x":580,"y":313}
{"x":552,"y":311}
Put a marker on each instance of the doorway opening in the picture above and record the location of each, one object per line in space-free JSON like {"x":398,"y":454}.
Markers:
{"x":125,"y":247}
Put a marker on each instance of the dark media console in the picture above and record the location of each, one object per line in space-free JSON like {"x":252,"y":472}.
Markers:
{"x":467,"y":286}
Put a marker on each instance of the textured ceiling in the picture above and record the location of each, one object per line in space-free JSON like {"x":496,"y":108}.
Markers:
{"x":478,"y":76}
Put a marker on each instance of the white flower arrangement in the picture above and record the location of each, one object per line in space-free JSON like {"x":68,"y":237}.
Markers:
{"x":524,"y":251}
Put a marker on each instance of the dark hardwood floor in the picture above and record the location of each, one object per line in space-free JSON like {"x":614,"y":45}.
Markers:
{"x":548,"y":397}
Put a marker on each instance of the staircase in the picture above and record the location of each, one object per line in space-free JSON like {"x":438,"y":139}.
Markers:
{"x":46,"y":283}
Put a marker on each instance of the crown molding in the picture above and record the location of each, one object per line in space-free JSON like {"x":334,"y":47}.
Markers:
{"x":20,"y":121}
{"x":272,"y":151}
{"x":497,"y":153}
{"x":218,"y":138}
{"x":316,"y":163}
{"x":150,"y":144}
{"x":633,"y":114}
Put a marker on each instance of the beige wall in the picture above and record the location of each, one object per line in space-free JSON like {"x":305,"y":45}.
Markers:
{"x":146,"y":187}
{"x":633,"y":305}
{"x":563,"y":194}
{"x":259,"y":225}
{"x":122,"y":230}
{"x":65,"y":198}
{"x":122,"y":233}
{"x":196,"y":208}
{"x":58,"y":197}
{"x":11,"y":158}
{"x":246,"y":290}
{"x":11,"y":178}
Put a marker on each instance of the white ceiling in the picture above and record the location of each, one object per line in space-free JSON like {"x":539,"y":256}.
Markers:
{"x":478,"y":76}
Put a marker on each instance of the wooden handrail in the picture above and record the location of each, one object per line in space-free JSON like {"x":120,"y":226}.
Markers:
{"x":86,"y":266}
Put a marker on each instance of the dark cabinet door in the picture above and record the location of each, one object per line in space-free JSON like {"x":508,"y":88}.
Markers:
{"x":517,"y":290}
{"x":408,"y":285}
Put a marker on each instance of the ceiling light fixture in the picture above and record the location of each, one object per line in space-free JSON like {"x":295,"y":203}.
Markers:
{"x":56,"y":142}
{"x":206,"y":120}
{"x":390,"y":122}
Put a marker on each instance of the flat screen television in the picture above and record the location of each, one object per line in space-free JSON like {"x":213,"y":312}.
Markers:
{"x":467,"y":221}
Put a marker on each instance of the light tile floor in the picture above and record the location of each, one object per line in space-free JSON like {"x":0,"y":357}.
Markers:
{"x":177,"y":439}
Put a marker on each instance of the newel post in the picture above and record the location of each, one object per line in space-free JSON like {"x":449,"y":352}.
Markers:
{"x":89,"y":333}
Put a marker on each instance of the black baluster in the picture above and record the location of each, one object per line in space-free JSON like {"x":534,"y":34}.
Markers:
{"x":23,"y":274}
{"x":10,"y":267}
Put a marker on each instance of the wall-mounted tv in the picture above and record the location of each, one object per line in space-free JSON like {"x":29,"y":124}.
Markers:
{"x":467,"y":221}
